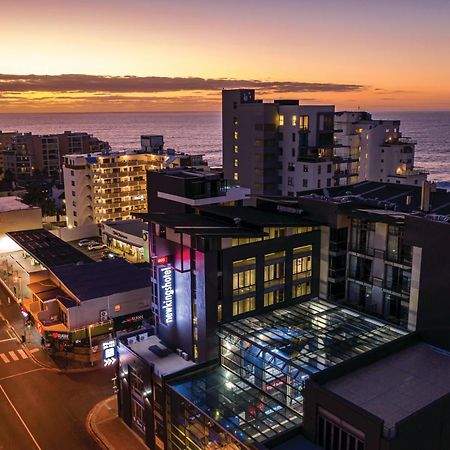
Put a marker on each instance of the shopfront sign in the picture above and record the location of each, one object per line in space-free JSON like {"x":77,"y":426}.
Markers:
{"x":109,"y":352}
{"x":167,"y":294}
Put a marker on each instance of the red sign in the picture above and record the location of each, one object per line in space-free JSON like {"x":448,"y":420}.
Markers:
{"x":162,"y":260}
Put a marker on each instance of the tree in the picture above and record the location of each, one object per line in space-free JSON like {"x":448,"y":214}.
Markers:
{"x":36,"y":195}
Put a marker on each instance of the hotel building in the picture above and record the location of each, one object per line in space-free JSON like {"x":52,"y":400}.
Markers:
{"x":113,"y":185}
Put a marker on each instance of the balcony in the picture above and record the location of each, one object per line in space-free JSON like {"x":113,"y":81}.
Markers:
{"x":362,"y":249}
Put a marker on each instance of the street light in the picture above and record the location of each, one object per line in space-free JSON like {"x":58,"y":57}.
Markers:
{"x":90,"y":345}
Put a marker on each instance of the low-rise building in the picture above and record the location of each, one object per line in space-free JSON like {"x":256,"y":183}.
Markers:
{"x":76,"y":302}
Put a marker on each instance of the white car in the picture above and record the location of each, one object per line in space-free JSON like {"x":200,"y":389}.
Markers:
{"x":96,"y":246}
{"x":85,"y":242}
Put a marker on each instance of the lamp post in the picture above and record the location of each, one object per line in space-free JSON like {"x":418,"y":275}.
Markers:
{"x":90,"y":345}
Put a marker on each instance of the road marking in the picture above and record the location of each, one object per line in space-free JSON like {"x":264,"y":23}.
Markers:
{"x":5,"y":358}
{"x":13,"y":356}
{"x":9,"y":339}
{"x":22,"y":354}
{"x":20,"y":418}
{"x":21,"y":373}
{"x":34,"y":350}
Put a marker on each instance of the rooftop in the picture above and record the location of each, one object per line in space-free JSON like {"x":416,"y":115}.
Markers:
{"x":164,"y":361}
{"x":89,"y":281}
{"x":133,"y":227}
{"x":398,"y":385}
{"x":13,"y":204}
{"x":312,"y":336}
{"x":235,"y":405}
{"x":48,"y":249}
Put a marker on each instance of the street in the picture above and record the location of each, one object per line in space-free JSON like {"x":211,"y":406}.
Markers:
{"x":42,"y":408}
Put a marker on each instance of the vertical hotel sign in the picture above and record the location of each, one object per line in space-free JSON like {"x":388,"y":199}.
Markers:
{"x":167,"y":294}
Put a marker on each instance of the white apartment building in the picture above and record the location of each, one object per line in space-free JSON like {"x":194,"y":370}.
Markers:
{"x":382,"y":153}
{"x":112,"y":185}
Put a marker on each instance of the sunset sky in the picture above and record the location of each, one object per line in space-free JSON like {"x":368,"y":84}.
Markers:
{"x":159,"y":55}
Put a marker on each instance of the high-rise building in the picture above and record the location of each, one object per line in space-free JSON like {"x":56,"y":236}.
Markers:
{"x":378,"y":149}
{"x":28,"y":154}
{"x":112,"y":185}
{"x":278,"y":148}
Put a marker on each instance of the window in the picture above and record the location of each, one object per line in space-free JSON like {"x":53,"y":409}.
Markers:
{"x":274,"y":232}
{"x":293,"y":152}
{"x":328,"y":182}
{"x":73,"y":193}
{"x":293,"y":137}
{"x":294,"y":121}
{"x":75,"y":214}
{"x":235,"y":176}
{"x":305,"y":168}
{"x":235,"y":163}
{"x":117,"y":308}
{"x":291,"y":167}
{"x":219,"y":312}
{"x":243,"y":306}
{"x":303,"y":122}
{"x":300,"y":290}
{"x":236,"y":135}
{"x":319,"y":169}
{"x":244,"y":282}
{"x":75,"y":223}
{"x":74,"y":204}
{"x":305,"y":182}
{"x":236,"y":149}
{"x":281,"y":120}
{"x":329,"y":168}
{"x":274,"y":269}
{"x":290,"y":181}
{"x":318,"y":184}
{"x":235,"y":120}
{"x":274,"y":297}
{"x":301,"y":267}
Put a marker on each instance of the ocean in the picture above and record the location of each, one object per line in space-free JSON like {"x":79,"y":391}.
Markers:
{"x":200,"y":132}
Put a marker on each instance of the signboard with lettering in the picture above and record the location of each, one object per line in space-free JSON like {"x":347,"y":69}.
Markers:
{"x":166,"y":294}
{"x":109,"y":352}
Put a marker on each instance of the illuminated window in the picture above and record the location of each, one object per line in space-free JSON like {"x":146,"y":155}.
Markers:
{"x":281,"y":120}
{"x":219,"y":312}
{"x":236,"y":149}
{"x":243,"y":306}
{"x":301,"y":267}
{"x":300,"y":290}
{"x":274,"y":297}
{"x":274,"y":269}
{"x":235,"y":135}
{"x":274,"y":232}
{"x":235,"y":176}
{"x":303,"y":122}
{"x":294,"y":121}
{"x":235,"y":163}
{"x":116,"y":308}
{"x":235,"y":120}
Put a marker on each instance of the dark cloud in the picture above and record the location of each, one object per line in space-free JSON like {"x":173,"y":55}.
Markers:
{"x":129,"y":84}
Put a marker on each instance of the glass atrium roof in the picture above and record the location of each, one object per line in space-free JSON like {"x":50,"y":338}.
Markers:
{"x":313,"y":335}
{"x":241,"y":409}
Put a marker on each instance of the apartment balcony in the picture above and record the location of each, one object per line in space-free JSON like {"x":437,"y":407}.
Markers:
{"x":400,"y":141}
{"x":362,"y":249}
{"x":361,"y":276}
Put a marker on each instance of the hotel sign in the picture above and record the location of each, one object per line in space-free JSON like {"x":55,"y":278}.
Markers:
{"x":109,"y":353}
{"x":167,"y":294}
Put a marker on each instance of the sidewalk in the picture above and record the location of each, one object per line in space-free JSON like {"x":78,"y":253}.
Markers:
{"x":108,"y":430}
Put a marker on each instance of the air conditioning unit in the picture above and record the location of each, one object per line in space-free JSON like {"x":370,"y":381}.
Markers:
{"x":131,"y":340}
{"x":185,"y":356}
{"x":179,"y":352}
{"x":143,"y":337}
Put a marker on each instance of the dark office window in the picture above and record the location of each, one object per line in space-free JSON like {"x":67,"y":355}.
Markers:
{"x":319,"y":169}
{"x":318,"y":184}
{"x":329,"y":168}
{"x":305,"y":183}
{"x":305,"y":168}
{"x":328,"y":182}
{"x":293,"y":152}
{"x":293,"y":137}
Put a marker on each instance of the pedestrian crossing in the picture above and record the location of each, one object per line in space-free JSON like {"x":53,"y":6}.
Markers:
{"x":13,"y":356}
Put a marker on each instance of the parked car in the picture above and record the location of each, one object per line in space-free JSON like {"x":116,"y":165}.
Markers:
{"x":96,"y":246}
{"x":85,"y":242}
{"x":107,"y":254}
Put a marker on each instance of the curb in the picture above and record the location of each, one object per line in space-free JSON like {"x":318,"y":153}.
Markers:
{"x":91,"y":428}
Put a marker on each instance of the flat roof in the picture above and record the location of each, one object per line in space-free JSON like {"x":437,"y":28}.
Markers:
{"x":89,"y":281}
{"x":48,"y":249}
{"x":257,"y":216}
{"x":164,"y":361}
{"x":312,"y":336}
{"x":201,"y":225}
{"x":398,"y":385}
{"x":133,"y":227}
{"x":13,"y":204}
{"x":236,"y":405}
